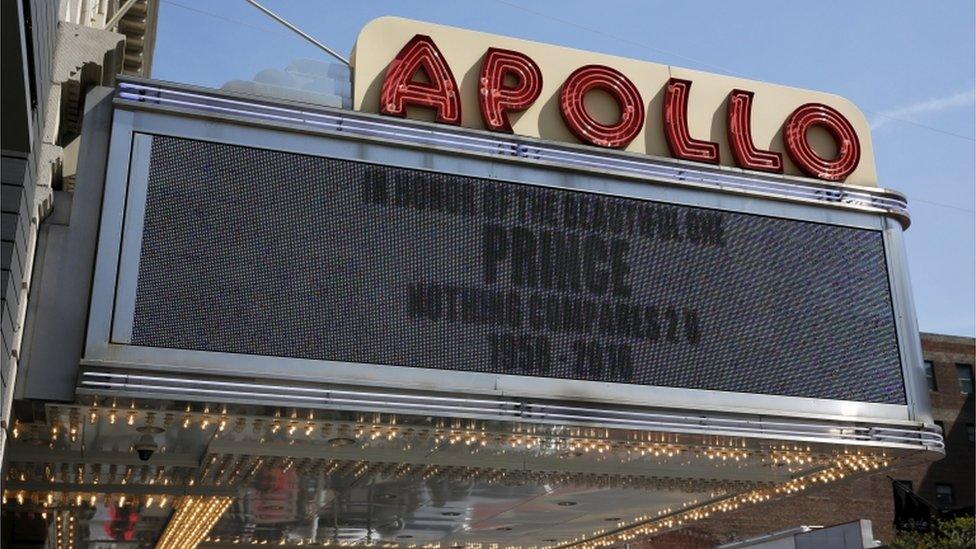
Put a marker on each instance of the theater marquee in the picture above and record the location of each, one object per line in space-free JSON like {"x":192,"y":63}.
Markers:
{"x":364,"y":250}
{"x":542,"y":316}
{"x":345,"y":290}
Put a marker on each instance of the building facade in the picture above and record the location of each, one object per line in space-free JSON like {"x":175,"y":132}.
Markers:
{"x":53,"y":54}
{"x":949,"y":482}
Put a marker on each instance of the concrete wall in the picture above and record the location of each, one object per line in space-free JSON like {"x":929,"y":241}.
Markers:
{"x":30,"y":29}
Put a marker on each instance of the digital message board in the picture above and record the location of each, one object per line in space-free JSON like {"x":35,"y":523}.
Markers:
{"x":271,"y":253}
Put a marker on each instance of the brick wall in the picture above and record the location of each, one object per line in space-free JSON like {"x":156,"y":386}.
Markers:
{"x":955,"y":410}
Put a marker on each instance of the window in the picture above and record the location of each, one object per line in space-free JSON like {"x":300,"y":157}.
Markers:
{"x":930,"y":375}
{"x":943,"y":494}
{"x":965,"y":373}
{"x":31,"y":66}
{"x":971,"y":432}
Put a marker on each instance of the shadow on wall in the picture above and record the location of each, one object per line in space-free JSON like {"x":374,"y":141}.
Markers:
{"x":303,"y":80}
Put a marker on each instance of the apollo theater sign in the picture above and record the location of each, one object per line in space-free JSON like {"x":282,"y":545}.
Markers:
{"x":407,"y":68}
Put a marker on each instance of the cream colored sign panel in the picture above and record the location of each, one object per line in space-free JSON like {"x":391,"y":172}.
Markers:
{"x":381,"y":39}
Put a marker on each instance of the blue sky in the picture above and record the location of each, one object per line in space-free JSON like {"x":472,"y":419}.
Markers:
{"x":910,"y":66}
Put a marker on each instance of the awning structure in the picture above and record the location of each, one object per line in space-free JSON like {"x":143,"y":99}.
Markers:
{"x":316,"y":476}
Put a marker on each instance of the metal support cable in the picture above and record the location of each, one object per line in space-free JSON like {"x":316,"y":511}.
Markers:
{"x":299,"y":32}
{"x":119,"y":14}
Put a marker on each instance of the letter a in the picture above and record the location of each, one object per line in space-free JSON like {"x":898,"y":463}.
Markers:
{"x":440,"y":92}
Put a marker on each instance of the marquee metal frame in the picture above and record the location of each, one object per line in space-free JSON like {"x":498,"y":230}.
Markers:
{"x":145,"y":108}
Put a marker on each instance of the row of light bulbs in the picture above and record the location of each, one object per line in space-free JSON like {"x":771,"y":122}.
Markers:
{"x":367,"y":543}
{"x":64,"y":528}
{"x":195,"y":516}
{"x":234,"y":469}
{"x":783,"y":454}
{"x":65,"y":500}
{"x":488,"y":475}
{"x":95,"y":474}
{"x":297,"y":427}
{"x":66,"y":420}
{"x":840,"y":469}
{"x":114,"y":413}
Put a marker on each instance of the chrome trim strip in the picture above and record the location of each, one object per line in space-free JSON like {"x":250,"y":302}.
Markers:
{"x":181,"y":388}
{"x":355,"y":124}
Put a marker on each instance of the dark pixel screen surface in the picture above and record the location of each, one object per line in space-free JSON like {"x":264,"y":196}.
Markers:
{"x":270,"y":253}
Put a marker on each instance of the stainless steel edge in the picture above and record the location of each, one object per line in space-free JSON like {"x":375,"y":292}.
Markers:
{"x":135,"y":212}
{"x":110,"y":235}
{"x":855,"y":434}
{"x":201,"y":364}
{"x":906,"y":323}
{"x":292,"y":115}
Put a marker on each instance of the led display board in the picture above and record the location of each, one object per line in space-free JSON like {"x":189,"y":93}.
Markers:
{"x":259,"y":252}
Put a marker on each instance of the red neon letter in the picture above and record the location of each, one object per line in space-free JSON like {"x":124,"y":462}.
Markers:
{"x":740,"y":136}
{"x":496,"y":97}
{"x":399,"y":89}
{"x":584,"y":126}
{"x":848,"y":146}
{"x":676,"y":131}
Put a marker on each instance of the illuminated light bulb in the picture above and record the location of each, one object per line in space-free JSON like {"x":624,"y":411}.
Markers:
{"x":92,"y":501}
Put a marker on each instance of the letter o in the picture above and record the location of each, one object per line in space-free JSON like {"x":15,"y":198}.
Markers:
{"x":848,"y":146}
{"x":587,"y":128}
